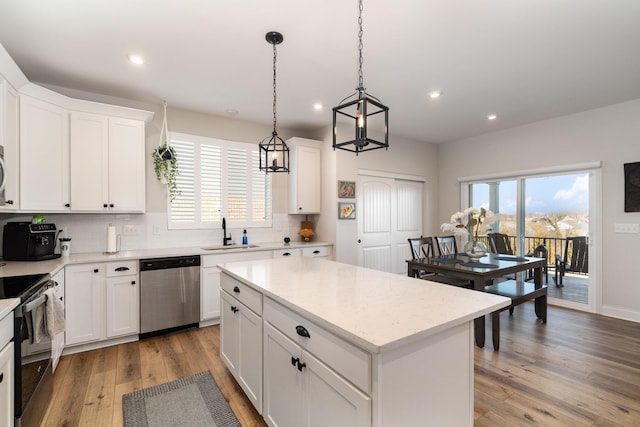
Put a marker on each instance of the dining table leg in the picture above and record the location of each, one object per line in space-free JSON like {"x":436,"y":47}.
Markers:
{"x":479,"y":322}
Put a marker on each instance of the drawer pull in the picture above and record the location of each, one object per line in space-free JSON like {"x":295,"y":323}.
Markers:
{"x":234,"y":309}
{"x":236,"y":289}
{"x":301,"y":366}
{"x":133,"y":282}
{"x":286,"y":254}
{"x":294,"y":360}
{"x":302,"y":331}
{"x":95,"y":270}
{"x":316,"y":251}
{"x":122,"y":269}
{"x":1,"y":376}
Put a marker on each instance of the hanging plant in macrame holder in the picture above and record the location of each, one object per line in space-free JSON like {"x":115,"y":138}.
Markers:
{"x":165,"y":160}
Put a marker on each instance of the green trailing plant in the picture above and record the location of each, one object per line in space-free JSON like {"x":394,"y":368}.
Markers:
{"x":165,"y":163}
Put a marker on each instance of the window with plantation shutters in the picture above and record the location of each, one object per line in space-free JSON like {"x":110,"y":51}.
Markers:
{"x":218,"y":178}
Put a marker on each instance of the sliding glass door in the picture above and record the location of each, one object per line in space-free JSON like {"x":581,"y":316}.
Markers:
{"x":549,"y":215}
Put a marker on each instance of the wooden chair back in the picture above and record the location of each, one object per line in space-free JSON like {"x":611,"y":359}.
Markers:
{"x":421,"y":247}
{"x":446,"y":245}
{"x":500,"y":243}
{"x":576,"y":255}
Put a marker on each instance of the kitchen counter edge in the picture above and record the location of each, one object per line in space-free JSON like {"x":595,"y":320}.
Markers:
{"x":21,"y":268}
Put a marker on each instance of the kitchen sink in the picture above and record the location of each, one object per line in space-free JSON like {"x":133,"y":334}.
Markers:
{"x":226,"y":248}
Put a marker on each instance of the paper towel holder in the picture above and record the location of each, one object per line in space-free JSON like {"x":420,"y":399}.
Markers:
{"x":113,"y":240}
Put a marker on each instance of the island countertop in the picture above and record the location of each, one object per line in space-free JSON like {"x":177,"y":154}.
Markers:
{"x":376,"y":311}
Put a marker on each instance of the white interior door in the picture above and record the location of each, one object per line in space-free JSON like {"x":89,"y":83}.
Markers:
{"x":390,"y":212}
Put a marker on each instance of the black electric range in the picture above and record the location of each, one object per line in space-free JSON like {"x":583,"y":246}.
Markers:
{"x":21,"y":286}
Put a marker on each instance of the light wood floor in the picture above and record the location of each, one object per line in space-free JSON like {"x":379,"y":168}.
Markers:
{"x":577,"y":370}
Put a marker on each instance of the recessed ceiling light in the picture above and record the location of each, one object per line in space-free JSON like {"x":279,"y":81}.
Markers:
{"x":136,"y":59}
{"x":435,"y":94}
{"x":492,"y":117}
{"x":317,"y":106}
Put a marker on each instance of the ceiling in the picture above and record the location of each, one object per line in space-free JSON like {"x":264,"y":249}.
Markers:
{"x":523,"y":60}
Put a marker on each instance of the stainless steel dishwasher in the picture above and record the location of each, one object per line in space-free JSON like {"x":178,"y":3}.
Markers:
{"x":169,"y":294}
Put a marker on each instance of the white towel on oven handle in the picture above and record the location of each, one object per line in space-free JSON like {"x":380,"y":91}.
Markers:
{"x":54,"y":314}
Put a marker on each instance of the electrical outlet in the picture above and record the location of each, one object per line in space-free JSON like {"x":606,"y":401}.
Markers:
{"x":626,"y":228}
{"x":130,"y":230}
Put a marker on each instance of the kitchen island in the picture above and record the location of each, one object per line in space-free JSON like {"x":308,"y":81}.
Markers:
{"x":316,"y":342}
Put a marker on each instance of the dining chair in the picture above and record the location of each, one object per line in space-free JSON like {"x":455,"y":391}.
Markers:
{"x":446,"y":245}
{"x":500,"y":243}
{"x":421,"y":247}
{"x":575,"y":259}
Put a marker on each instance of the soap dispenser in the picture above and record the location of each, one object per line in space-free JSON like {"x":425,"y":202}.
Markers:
{"x":245,"y":238}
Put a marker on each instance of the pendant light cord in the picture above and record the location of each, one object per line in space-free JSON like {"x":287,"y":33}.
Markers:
{"x":360,"y":77}
{"x":275,"y":55}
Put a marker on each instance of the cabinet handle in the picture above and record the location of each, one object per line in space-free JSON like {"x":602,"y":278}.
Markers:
{"x":286,"y":254}
{"x":234,"y":309}
{"x":95,"y":270}
{"x":105,"y":205}
{"x":316,"y":251}
{"x":9,"y":202}
{"x":122,"y":269}
{"x":67,"y":205}
{"x":300,"y":208}
{"x":301,"y":366}
{"x":110,"y":205}
{"x":302,"y":331}
{"x":133,"y":282}
{"x":236,"y":289}
{"x":1,"y":376}
{"x":294,"y":360}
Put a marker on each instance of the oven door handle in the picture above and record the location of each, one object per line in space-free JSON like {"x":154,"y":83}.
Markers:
{"x":30,"y":306}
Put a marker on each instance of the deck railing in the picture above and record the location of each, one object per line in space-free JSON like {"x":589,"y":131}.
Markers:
{"x":554,"y":245}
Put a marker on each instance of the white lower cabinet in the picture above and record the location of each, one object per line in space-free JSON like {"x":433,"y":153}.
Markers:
{"x":300,"y":390}
{"x":84,"y":303}
{"x":241,"y":346}
{"x":6,"y":371}
{"x":101,"y":301}
{"x":123,"y":299}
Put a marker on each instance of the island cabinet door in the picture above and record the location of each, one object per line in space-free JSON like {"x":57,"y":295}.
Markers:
{"x":282,"y":380}
{"x":300,"y":390}
{"x":241,"y":346}
{"x":329,"y":400}
{"x":229,"y":332}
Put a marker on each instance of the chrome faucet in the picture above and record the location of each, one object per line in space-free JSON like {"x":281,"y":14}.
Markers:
{"x":225,"y":239}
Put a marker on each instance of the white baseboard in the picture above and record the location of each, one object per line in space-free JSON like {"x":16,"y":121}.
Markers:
{"x":621,"y":313}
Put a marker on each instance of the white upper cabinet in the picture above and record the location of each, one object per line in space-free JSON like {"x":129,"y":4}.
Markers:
{"x":9,"y":141}
{"x":107,"y":163}
{"x":44,"y":156}
{"x":304,"y":176}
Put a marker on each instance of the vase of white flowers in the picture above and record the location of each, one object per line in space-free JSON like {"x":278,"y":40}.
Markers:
{"x":470,"y":223}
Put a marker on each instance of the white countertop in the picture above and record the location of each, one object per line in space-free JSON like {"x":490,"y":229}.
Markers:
{"x":6,"y":307}
{"x":376,"y":311}
{"x":20,"y":268}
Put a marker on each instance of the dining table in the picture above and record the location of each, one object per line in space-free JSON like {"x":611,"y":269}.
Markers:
{"x":481,"y":272}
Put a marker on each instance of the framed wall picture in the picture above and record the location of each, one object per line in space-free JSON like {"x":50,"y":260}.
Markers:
{"x":346,"y":210}
{"x":632,"y":187}
{"x":346,"y":189}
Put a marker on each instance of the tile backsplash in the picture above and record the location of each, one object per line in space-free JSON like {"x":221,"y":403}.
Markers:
{"x":88,"y":232}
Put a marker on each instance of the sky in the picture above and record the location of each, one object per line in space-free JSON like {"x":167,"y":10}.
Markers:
{"x":545,"y":195}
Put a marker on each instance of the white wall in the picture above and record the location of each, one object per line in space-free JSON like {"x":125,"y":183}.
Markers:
{"x":610,"y":135}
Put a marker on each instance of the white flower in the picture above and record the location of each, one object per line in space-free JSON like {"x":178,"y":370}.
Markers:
{"x":470,"y":221}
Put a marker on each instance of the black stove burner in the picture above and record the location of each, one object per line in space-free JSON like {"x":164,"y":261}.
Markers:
{"x":20,"y":286}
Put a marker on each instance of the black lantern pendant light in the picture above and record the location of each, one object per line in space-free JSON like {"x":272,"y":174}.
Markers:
{"x":274,"y":153}
{"x":364,"y":111}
